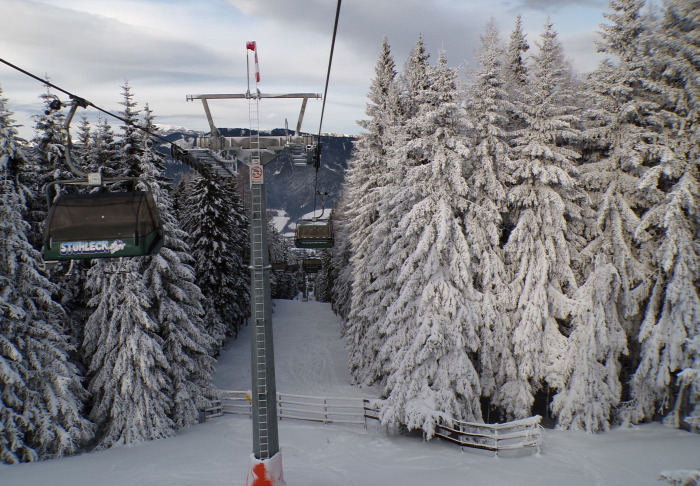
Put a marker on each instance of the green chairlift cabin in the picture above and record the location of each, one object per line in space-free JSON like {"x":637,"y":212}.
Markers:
{"x":99,"y":224}
{"x":278,"y":266}
{"x":314,"y":234}
{"x":311,"y":265}
{"x":102,"y":225}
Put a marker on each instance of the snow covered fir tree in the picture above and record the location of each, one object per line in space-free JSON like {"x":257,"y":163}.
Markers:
{"x":136,"y":327}
{"x":511,"y":239}
{"x":42,"y":398}
{"x":576,"y":237}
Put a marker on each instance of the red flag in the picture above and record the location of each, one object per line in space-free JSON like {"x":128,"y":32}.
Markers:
{"x":253,"y":47}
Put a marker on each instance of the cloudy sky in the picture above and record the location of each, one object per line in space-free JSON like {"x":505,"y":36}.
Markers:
{"x":167,"y":49}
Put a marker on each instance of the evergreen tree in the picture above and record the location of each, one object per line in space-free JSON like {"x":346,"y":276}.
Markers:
{"x":46,"y":164}
{"x":618,"y":129}
{"x":515,"y":65}
{"x":544,"y":200}
{"x":590,"y":366}
{"x":342,"y":252}
{"x":128,"y":369}
{"x":82,"y":139}
{"x":41,"y":396}
{"x":129,"y":373}
{"x":213,"y":323}
{"x":176,"y":299}
{"x":214,"y":219}
{"x":323,"y":283}
{"x":432,"y":325}
{"x":130,"y":147}
{"x":283,"y":285}
{"x":516,"y":78}
{"x":370,"y":183}
{"x":488,"y":175}
{"x":102,"y":151}
{"x":672,"y":318}
{"x":681,"y":47}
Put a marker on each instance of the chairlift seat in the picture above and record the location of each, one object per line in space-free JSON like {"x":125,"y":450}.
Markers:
{"x":278,"y":266}
{"x":311,"y":265}
{"x":314,"y":234}
{"x":297,"y":154}
{"x":102,"y":225}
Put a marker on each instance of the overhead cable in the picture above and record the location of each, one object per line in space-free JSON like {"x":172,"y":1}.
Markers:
{"x":323,"y":106}
{"x":85,"y":103}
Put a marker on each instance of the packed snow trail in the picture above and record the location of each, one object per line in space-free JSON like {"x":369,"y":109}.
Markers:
{"x":310,"y":356}
{"x":308,"y":347}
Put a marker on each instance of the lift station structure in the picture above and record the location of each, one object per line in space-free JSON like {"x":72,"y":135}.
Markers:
{"x":221,"y":156}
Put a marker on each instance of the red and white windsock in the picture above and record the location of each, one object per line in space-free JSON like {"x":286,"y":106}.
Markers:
{"x":250,"y":45}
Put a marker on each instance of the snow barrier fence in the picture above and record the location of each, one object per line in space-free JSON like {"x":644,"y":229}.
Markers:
{"x":491,"y":437}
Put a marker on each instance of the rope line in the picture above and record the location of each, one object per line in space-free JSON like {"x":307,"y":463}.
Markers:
{"x":323,"y":106}
{"x":330,"y":62}
{"x":85,"y":103}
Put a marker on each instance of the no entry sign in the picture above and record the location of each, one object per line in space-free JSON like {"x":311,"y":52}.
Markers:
{"x":256,"y":174}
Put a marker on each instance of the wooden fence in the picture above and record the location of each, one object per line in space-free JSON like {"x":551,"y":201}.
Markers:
{"x":491,"y":437}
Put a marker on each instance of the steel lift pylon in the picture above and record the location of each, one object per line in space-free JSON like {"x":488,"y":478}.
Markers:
{"x":255,"y":151}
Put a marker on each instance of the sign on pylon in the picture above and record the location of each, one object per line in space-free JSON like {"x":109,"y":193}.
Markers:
{"x":257,"y":174}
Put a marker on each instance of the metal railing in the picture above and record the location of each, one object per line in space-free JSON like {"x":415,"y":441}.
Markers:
{"x":493,"y":437}
{"x":322,"y":409}
{"x":516,"y":434}
{"x":298,"y":407}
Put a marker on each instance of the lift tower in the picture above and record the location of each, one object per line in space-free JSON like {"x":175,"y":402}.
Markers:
{"x":255,"y":151}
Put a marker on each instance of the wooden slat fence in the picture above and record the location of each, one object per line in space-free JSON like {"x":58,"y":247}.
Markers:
{"x":491,"y":437}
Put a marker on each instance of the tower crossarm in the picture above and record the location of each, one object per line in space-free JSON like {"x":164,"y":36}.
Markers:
{"x":238,"y":96}
{"x":267,"y":142}
{"x":249,"y":95}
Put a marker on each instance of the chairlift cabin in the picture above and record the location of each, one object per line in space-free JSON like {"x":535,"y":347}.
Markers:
{"x":99,"y":224}
{"x":279,"y":266}
{"x":314,"y":234}
{"x":102,"y":225}
{"x":311,"y":265}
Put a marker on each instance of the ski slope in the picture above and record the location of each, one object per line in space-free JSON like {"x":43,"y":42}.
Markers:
{"x":311,"y":360}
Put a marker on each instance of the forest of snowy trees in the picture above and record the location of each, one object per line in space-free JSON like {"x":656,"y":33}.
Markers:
{"x":521,"y":240}
{"x":512,"y":241}
{"x":113,"y":351}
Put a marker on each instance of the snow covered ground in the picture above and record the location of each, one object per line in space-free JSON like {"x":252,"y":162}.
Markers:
{"x":280,"y":218}
{"x":310,"y":359}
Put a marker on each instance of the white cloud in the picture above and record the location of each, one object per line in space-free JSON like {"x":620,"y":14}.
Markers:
{"x":168,"y":49}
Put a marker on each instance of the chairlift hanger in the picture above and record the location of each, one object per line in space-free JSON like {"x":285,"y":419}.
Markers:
{"x":305,"y":153}
{"x":191,"y":159}
{"x":99,"y":224}
{"x":315,"y":233}
{"x":311,"y":265}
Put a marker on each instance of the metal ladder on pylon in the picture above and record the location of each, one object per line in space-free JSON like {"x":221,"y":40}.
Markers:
{"x":259,"y":319}
{"x":254,"y":120}
{"x":258,"y":263}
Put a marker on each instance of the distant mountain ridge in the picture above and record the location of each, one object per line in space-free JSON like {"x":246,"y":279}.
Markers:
{"x":289,"y":188}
